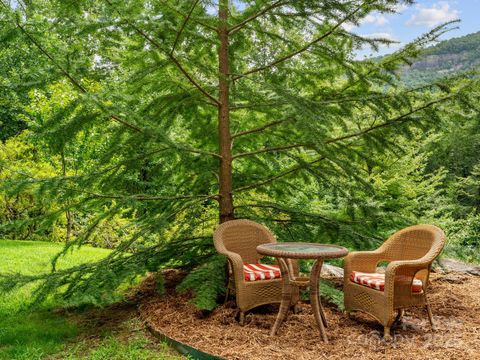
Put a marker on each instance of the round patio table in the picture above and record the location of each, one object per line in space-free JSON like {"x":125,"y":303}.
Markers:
{"x":299,"y":250}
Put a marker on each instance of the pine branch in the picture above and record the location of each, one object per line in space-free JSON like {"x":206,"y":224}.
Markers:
{"x":123,"y":122}
{"x":72,"y":80}
{"x":398,"y":119}
{"x":50,"y":57}
{"x":62,"y":179}
{"x":250,"y":106}
{"x":169,"y":55}
{"x":241,"y":24}
{"x":179,"y":33}
{"x":375,"y":96}
{"x":262,"y":128}
{"x":276,"y":177}
{"x":273,"y":149}
{"x":206,"y":26}
{"x":286,"y":210}
{"x":301,"y":50}
{"x":402,"y":54}
{"x":145,"y":197}
{"x":77,"y":277}
{"x":190,"y":78}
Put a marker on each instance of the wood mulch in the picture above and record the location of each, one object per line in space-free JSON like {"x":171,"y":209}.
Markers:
{"x":455,"y":299}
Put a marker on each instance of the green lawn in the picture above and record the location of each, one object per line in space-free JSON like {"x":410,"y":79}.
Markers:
{"x":43,"y":333}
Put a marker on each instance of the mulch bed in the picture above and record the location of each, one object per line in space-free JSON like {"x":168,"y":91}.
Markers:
{"x":455,"y":300}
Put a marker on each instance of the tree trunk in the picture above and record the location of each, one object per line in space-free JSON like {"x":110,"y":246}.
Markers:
{"x":225,"y":140}
{"x":68,"y":214}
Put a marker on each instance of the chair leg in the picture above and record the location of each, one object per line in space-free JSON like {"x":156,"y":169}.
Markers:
{"x":398,"y":319}
{"x":430,"y":317}
{"x":296,"y":309}
{"x":227,"y":294}
{"x":241,"y":318}
{"x":386,"y":333}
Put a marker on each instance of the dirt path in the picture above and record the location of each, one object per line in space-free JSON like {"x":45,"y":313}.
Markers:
{"x":456,"y":309}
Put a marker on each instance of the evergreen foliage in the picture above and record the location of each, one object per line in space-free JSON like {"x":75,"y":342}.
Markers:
{"x":207,"y":281}
{"x":181,"y":114}
{"x":333,"y":295}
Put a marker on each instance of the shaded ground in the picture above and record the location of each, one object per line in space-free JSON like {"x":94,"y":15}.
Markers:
{"x":33,"y":333}
{"x":455,"y":300}
{"x":114,"y":332}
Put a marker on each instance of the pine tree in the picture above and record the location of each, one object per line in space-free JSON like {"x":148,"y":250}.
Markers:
{"x":208,"y":112}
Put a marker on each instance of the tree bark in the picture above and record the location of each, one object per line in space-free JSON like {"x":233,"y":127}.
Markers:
{"x":225,"y":138}
{"x":68,"y":214}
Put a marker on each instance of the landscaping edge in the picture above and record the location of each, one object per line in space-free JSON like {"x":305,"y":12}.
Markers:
{"x":182,"y":348}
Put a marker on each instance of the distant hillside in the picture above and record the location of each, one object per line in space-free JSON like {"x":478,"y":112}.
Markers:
{"x":449,"y":56}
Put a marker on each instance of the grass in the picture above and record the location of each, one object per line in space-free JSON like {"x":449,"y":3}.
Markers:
{"x":112,"y":349}
{"x":125,"y":343}
{"x":44,"y":333}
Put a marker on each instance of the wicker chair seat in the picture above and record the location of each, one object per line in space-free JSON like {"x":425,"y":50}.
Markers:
{"x":255,"y":272}
{"x":377,"y":281}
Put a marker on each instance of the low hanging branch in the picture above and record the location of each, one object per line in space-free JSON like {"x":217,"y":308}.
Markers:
{"x":139,"y":197}
{"x":284,"y":210}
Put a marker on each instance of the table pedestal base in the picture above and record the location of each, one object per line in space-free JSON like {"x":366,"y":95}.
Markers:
{"x":289,"y":283}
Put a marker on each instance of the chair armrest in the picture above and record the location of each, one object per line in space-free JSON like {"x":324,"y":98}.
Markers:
{"x":364,"y":261}
{"x":406,"y":269}
{"x":236,"y":262}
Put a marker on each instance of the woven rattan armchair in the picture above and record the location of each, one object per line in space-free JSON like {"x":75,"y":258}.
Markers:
{"x":238,"y":240}
{"x":410,"y":253}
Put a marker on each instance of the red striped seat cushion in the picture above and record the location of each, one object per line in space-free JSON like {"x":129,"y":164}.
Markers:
{"x":377,"y":281}
{"x":254,"y":272}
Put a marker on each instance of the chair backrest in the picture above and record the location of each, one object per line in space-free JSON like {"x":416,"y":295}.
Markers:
{"x":242,"y":237}
{"x":414,"y":242}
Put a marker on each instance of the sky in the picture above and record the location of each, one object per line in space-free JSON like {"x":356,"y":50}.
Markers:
{"x":418,"y":19}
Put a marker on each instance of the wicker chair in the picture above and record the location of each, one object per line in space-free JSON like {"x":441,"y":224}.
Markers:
{"x":238,"y":240}
{"x":410,"y":253}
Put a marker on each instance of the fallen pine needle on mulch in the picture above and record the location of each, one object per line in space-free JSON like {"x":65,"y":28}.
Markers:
{"x":455,"y":300}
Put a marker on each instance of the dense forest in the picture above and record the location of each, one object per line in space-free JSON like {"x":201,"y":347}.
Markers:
{"x":140,"y":127}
